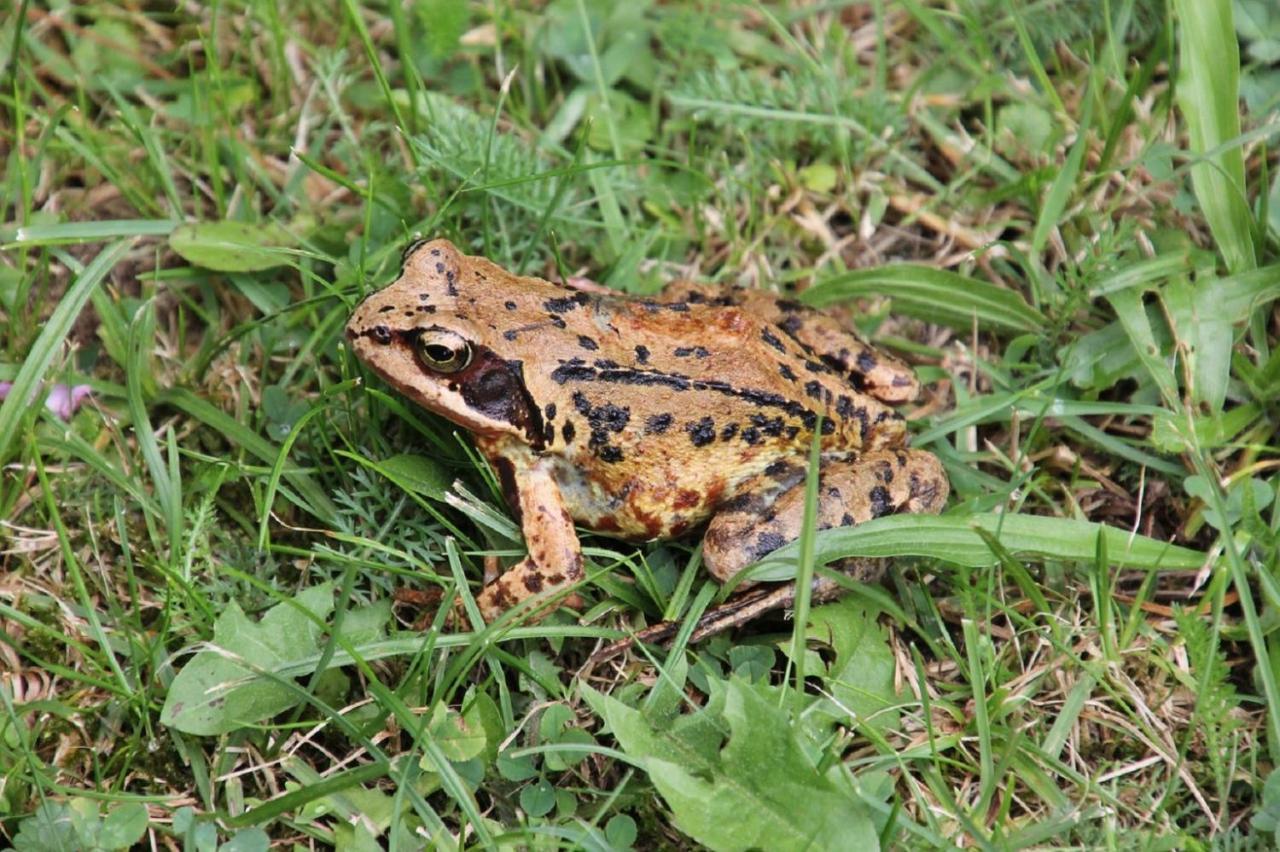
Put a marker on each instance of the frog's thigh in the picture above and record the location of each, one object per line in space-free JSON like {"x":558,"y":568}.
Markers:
{"x":849,"y":492}
{"x":555,"y":557}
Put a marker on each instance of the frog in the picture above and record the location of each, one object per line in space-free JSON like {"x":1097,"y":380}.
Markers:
{"x":646,"y":418}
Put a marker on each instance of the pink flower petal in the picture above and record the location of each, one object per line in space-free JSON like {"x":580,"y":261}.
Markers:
{"x":64,"y":400}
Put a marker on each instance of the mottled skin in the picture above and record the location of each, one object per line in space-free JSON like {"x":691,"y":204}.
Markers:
{"x":645,"y":418}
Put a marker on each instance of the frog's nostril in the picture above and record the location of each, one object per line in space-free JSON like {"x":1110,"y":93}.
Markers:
{"x":381,"y":334}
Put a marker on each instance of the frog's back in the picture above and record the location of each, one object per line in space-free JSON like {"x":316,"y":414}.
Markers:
{"x":658,"y":412}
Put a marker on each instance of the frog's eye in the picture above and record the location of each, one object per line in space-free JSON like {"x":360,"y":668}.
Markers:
{"x":443,"y":351}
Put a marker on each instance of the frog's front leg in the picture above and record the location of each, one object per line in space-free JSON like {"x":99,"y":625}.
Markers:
{"x":850,"y":492}
{"x":555,"y":557}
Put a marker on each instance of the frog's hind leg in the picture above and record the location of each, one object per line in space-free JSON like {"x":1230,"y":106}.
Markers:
{"x":770,"y":513}
{"x":850,"y":492}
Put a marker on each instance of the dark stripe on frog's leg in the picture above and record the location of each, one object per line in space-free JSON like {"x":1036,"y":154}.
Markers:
{"x":765,"y":517}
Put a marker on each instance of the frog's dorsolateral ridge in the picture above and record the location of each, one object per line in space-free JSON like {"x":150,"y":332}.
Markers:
{"x":643,"y":418}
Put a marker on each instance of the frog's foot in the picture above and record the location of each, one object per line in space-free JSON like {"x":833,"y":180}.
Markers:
{"x":524,"y":580}
{"x":850,"y":492}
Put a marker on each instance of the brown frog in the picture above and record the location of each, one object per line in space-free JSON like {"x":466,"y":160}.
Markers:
{"x":644,"y":418}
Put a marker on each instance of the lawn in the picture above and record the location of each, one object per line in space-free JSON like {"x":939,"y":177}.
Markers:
{"x":225,"y":543}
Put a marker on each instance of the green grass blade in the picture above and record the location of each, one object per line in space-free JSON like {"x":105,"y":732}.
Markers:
{"x":51,"y":338}
{"x":935,"y":295}
{"x":1208,"y":93}
{"x":309,"y":495}
{"x":955,"y":540}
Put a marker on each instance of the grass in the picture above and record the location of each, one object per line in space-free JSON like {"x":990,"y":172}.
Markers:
{"x":207,"y":625}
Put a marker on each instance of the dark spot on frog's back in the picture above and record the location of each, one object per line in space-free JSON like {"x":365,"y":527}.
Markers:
{"x":658,"y":423}
{"x":772,"y":339}
{"x":791,"y":324}
{"x":642,"y":354}
{"x":565,"y":304}
{"x":702,"y":432}
{"x":781,"y":470}
{"x":587,"y":343}
{"x":881,"y":502}
{"x":866,"y":361}
{"x":567,"y":431}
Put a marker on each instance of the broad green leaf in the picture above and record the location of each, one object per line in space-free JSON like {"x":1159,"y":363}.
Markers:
{"x":692,"y":738}
{"x":954,"y":539}
{"x":620,"y":831}
{"x":247,"y":840}
{"x":1133,"y":318}
{"x":415,"y":473}
{"x":355,"y":802}
{"x":1101,"y":358}
{"x":538,"y":798}
{"x":231,"y":246}
{"x":221,"y":689}
{"x":1172,"y":432}
{"x":860,"y":678}
{"x":762,"y":791}
{"x":459,"y":737}
{"x":1208,"y":95}
{"x":1206,"y":339}
{"x":935,"y":295}
{"x":123,"y":826}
